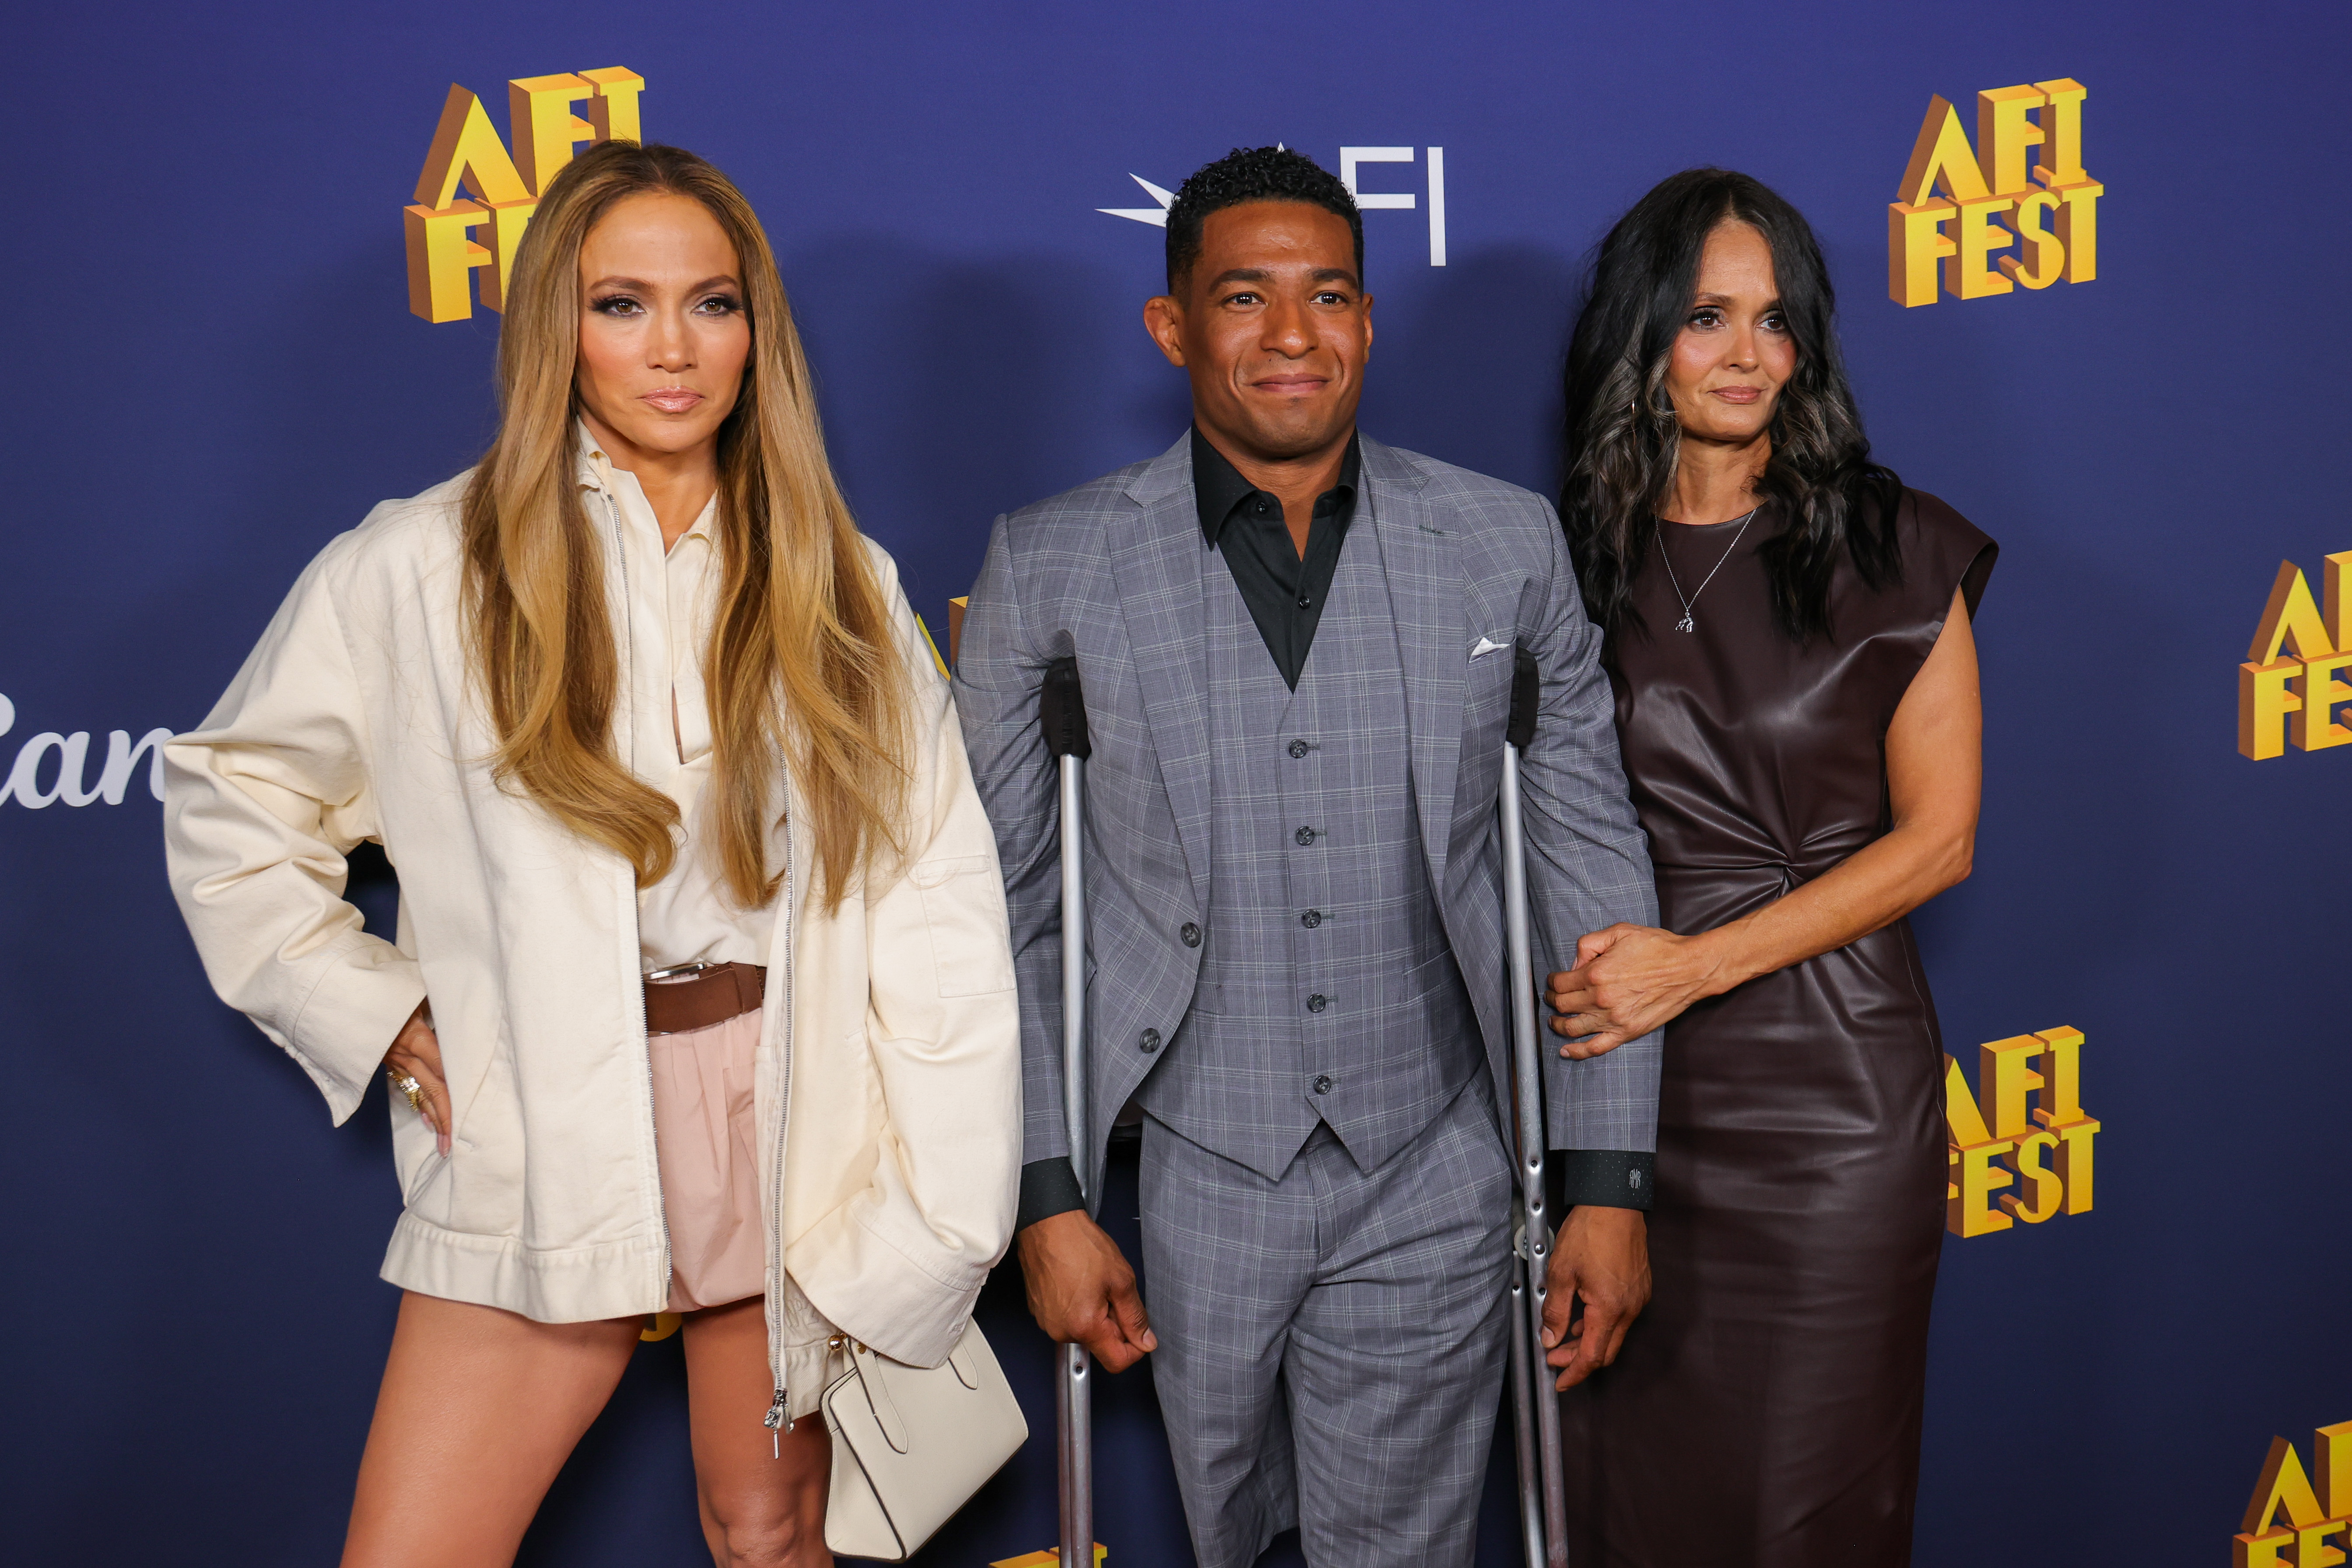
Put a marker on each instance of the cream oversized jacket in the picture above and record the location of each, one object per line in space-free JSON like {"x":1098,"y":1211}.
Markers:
{"x":888,"y":1082}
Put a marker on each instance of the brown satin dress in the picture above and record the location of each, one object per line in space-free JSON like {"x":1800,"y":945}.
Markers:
{"x":1765,"y":1410}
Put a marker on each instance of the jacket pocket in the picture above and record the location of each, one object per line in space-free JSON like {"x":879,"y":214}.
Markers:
{"x":963,"y":906}
{"x":477,"y":1188}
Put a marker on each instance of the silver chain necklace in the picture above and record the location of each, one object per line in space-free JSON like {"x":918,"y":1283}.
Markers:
{"x":1686,"y":623}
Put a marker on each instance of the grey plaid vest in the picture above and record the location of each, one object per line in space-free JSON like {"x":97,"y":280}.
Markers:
{"x":1327,"y":991}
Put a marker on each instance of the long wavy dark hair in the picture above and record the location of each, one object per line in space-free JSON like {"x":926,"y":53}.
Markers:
{"x":1623,"y":440}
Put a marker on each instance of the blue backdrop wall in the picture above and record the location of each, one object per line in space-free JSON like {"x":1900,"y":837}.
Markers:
{"x":212,"y":369}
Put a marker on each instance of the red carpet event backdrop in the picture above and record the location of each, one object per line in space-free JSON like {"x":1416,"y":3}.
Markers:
{"x":262,"y":276}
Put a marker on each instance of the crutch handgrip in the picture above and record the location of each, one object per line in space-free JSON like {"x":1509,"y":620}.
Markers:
{"x":1526,"y":698}
{"x":1062,"y":710}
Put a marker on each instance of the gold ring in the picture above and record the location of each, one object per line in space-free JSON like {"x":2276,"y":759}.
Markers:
{"x":407,"y":1085}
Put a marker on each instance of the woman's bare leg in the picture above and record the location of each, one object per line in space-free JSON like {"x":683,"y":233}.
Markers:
{"x":479,"y":1409}
{"x":762,"y":1492}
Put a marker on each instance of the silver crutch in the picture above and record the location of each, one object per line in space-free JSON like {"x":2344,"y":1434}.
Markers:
{"x":1543,"y":1503}
{"x":1062,"y":711}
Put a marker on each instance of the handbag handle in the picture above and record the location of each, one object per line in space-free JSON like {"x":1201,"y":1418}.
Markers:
{"x":868,"y":1365}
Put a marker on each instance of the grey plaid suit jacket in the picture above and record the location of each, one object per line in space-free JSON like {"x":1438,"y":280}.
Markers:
{"x":1110,"y":573}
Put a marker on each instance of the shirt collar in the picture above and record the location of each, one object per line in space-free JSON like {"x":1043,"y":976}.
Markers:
{"x":597,"y":472}
{"x":1219,"y":489}
{"x":595,"y":468}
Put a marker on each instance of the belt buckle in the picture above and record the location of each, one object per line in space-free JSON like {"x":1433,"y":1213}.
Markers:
{"x":681,"y":970}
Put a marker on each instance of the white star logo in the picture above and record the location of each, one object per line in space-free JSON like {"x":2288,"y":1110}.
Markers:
{"x":1156,"y":217}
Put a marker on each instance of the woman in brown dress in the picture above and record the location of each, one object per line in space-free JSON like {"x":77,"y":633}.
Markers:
{"x":1789,"y":639}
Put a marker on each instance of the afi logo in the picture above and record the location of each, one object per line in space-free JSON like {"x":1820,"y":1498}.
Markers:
{"x":505,"y":188}
{"x":2046,"y":1156}
{"x":1350,"y":158}
{"x":1991,"y":201}
{"x":2313,"y":1514}
{"x":2272,"y":710}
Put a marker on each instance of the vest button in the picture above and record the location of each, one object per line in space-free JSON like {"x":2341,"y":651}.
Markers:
{"x":1298,"y":748}
{"x":1323,"y":1084}
{"x":1149,"y":1040}
{"x":1191,"y":933}
{"x":1304,"y":603}
{"x":1312,"y":919}
{"x":1316,"y":1003}
{"x":1303,"y":838}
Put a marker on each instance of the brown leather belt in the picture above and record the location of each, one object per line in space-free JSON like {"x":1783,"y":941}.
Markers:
{"x":710,"y":995}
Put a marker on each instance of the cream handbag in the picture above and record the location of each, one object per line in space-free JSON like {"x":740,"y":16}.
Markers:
{"x":911,"y":1445}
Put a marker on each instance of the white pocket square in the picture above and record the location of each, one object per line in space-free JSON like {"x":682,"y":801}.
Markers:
{"x":1486,"y":646}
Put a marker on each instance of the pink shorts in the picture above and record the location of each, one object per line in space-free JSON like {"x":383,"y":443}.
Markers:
{"x":707,"y":1138}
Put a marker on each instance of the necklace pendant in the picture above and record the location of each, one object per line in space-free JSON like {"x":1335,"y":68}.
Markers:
{"x":1684,"y":624}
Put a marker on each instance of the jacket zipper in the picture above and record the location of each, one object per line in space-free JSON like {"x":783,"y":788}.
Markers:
{"x":637,"y":992}
{"x":776,"y":1420}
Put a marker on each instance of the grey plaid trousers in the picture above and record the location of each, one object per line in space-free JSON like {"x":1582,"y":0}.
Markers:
{"x":1331,"y":1342}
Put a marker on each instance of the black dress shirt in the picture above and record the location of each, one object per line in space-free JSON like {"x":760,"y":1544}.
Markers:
{"x":1245,"y":525}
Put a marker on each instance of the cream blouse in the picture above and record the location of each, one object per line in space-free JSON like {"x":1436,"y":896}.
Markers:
{"x":671,"y":598}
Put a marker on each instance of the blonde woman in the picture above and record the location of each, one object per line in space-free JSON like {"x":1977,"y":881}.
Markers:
{"x":702,"y":1000}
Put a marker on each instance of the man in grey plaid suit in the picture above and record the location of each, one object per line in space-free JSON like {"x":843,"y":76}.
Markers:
{"x":1296,"y":645}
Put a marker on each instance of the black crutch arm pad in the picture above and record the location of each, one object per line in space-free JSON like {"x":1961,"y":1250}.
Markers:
{"x":1062,"y":710}
{"x":1527,"y":696}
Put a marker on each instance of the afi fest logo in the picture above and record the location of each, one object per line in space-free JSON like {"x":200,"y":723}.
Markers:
{"x":70,"y":783}
{"x":504,"y":187}
{"x":2294,"y":697}
{"x":2313,"y":1514}
{"x":1350,"y":160}
{"x":1958,"y":206}
{"x":2045,"y":1155}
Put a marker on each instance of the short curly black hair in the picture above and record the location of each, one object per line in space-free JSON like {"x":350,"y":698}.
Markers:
{"x":1252,"y":174}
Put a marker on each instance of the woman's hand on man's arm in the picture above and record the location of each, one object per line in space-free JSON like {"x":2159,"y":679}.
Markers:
{"x":1628,"y":980}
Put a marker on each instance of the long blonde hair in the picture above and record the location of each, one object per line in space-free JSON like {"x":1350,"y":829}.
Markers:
{"x":804,"y":667}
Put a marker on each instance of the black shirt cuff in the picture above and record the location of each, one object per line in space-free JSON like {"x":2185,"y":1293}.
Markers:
{"x":1048,"y":1187}
{"x":1606,"y":1178}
